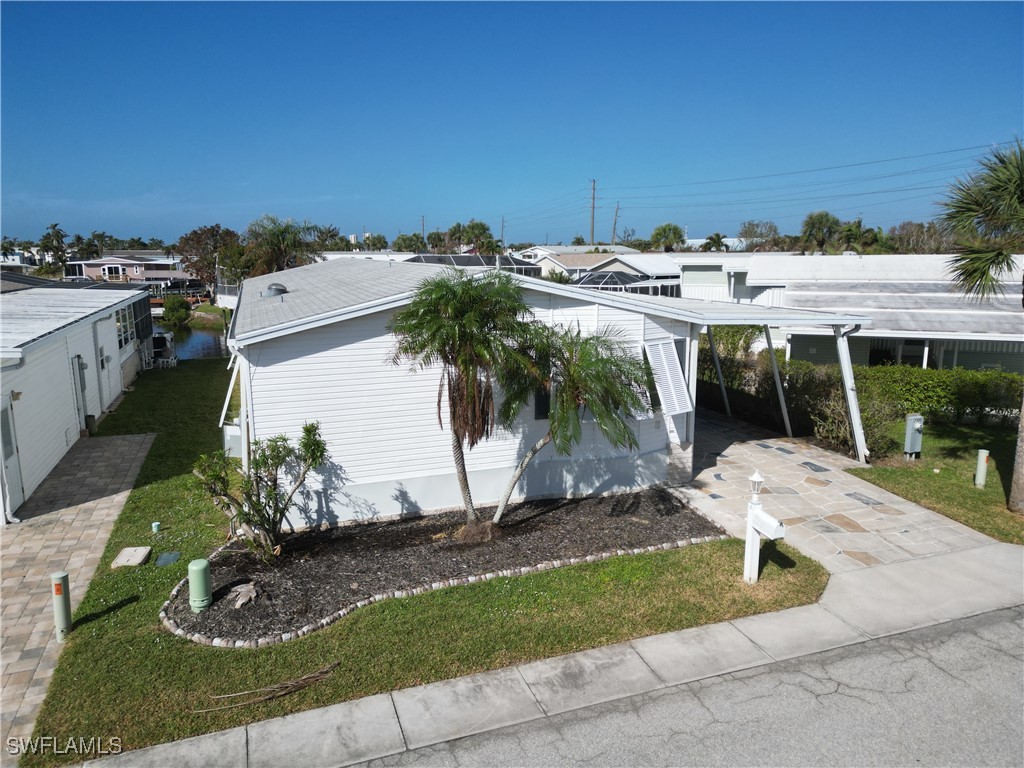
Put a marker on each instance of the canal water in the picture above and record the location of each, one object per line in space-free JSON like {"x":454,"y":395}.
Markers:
{"x":195,"y":343}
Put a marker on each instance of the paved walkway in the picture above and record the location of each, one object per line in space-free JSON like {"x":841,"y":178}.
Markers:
{"x":896,"y":567}
{"x":65,"y":526}
{"x":840,"y":520}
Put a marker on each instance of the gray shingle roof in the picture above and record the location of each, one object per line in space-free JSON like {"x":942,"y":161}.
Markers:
{"x":323,"y":289}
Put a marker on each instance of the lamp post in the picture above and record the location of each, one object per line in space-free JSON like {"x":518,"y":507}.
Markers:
{"x":752,"y":556}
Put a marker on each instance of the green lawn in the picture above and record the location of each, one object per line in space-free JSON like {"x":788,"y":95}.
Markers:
{"x":208,"y":316}
{"x":952,"y":450}
{"x":121,"y":674}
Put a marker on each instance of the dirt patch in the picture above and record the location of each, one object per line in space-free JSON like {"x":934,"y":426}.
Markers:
{"x":321,"y":572}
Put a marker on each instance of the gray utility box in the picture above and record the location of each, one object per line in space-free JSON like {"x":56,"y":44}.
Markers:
{"x":912,"y":437}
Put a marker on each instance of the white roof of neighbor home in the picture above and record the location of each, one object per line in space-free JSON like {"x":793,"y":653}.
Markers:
{"x":729,"y":262}
{"x":333,"y":291}
{"x":783,"y":268}
{"x":29,"y":315}
{"x":574,"y":250}
{"x":652,"y":264}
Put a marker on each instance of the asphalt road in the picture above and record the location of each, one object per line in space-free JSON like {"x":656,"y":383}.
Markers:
{"x":952,"y":694}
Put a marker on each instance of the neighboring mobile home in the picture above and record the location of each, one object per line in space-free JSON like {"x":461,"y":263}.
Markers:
{"x":312,"y":344}
{"x":66,"y":357}
{"x":919,"y":317}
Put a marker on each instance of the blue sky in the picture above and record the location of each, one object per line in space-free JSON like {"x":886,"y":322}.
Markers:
{"x":150,"y":119}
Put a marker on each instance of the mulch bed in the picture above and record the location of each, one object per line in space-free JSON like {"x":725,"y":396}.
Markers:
{"x":320,"y":572}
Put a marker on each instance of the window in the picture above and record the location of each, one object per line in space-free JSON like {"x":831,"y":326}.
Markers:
{"x":125,"y":327}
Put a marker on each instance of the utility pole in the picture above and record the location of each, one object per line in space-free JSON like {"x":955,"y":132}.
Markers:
{"x":615,"y":223}
{"x":423,"y":228}
{"x":593,"y":194}
{"x":497,"y":256}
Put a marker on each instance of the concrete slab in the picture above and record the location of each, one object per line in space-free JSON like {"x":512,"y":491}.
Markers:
{"x":340,"y":734}
{"x":700,"y":652}
{"x":907,"y":595}
{"x":454,"y":708}
{"x":798,"y":631}
{"x":131,"y":556}
{"x":224,"y":749}
{"x":589,"y":677}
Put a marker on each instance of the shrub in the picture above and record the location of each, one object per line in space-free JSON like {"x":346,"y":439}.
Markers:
{"x":176,"y":311}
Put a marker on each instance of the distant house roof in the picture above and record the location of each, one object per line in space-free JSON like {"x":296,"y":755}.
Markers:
{"x":34,"y":313}
{"x":605,"y":280}
{"x":128,"y":257}
{"x":574,"y":250}
{"x":470,"y":260}
{"x":653,"y":264}
{"x":910,"y":295}
{"x":332,"y":291}
{"x":16,"y":281}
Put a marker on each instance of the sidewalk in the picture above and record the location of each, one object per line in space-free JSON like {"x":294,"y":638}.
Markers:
{"x":65,"y":526}
{"x":857,"y":606}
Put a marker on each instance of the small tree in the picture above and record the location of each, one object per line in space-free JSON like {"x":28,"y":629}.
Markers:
{"x":176,"y":311}
{"x":261,"y":506}
{"x":473,"y":327}
{"x":595,"y":373}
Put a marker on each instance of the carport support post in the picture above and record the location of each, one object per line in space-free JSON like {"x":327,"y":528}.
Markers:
{"x":718,"y":370}
{"x":850,"y":390}
{"x":778,"y":381}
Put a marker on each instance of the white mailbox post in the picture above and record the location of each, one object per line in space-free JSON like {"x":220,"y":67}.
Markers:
{"x":759,"y":523}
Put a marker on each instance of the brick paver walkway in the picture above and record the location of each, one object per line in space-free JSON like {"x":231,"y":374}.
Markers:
{"x":842,"y":521}
{"x":65,"y":526}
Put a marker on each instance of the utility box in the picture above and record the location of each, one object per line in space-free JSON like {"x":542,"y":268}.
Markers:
{"x":912,"y":436}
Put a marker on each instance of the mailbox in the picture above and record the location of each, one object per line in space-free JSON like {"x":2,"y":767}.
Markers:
{"x":766,"y":525}
{"x":912,"y":436}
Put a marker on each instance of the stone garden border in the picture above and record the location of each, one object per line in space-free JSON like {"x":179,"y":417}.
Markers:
{"x":262,"y":642}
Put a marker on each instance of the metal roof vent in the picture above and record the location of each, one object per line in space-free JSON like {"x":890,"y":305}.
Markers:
{"x":274,"y":289}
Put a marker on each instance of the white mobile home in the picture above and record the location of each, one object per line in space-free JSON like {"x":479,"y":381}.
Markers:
{"x":312,"y":345}
{"x":66,"y":356}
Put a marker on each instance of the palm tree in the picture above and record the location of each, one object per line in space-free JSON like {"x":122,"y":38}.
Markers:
{"x":715,"y":242}
{"x":579,"y":373}
{"x":985,"y":213}
{"x":853,"y":235}
{"x":274,"y":245}
{"x":820,"y":228}
{"x":475,"y":327}
{"x":667,"y":236}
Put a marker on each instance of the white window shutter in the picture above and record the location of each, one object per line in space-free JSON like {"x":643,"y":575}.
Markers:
{"x":668,"y":377}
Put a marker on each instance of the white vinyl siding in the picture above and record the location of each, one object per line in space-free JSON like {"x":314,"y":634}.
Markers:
{"x":45,"y":416}
{"x":380,"y":421}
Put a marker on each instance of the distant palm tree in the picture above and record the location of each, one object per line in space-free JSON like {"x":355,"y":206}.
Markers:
{"x":820,"y":228}
{"x":715,"y":242}
{"x":274,"y":245}
{"x":596,"y":373}
{"x":474,"y":327}
{"x":985,"y":213}
{"x":667,"y":236}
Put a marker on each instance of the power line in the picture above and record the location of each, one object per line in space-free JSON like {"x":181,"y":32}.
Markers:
{"x":816,"y":170}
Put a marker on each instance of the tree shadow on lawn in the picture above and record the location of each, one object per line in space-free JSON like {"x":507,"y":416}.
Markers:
{"x":1001,"y":444}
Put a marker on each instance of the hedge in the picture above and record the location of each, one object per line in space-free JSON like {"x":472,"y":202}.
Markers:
{"x":886,"y":393}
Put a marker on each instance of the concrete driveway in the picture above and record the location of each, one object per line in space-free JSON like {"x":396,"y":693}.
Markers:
{"x":842,"y":521}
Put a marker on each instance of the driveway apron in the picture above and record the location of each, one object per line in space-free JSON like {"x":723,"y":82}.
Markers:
{"x":65,"y":526}
{"x":840,"y":520}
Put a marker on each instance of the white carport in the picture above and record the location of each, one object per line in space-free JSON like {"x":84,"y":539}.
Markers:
{"x":711,"y":313}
